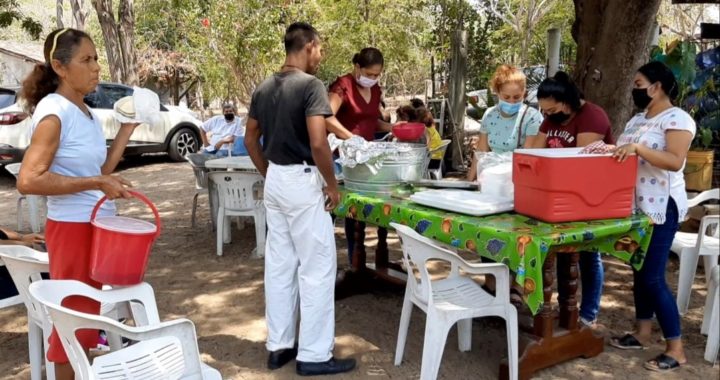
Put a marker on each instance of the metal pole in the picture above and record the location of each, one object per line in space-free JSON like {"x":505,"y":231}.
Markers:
{"x":553,"y":52}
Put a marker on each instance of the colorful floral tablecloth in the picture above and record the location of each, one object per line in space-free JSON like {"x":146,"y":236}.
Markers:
{"x":519,"y":242}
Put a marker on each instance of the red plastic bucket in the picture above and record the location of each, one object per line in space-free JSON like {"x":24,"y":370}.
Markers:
{"x":121,"y":245}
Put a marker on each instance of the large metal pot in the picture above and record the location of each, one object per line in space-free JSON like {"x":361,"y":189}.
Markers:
{"x":407,"y":164}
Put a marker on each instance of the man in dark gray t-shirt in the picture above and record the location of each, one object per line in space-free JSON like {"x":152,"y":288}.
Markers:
{"x":288,"y":111}
{"x":283,"y":102}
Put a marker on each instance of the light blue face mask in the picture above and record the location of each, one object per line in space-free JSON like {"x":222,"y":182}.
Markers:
{"x":509,"y":108}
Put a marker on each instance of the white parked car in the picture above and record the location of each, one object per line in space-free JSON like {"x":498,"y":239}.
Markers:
{"x":178,"y":134}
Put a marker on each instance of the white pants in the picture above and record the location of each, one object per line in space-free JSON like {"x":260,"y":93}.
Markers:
{"x":300,"y":256}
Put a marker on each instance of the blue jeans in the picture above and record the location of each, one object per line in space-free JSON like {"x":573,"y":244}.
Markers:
{"x":651,"y":292}
{"x":592,"y":277}
{"x":217,"y":153}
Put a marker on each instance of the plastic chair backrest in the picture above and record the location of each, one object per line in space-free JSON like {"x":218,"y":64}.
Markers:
{"x":142,"y":359}
{"x":704,"y":197}
{"x":417,"y":251}
{"x":26,"y":266}
{"x":708,"y":222}
{"x":51,"y":293}
{"x":197,"y":161}
{"x":236,"y":190}
{"x":13,"y":169}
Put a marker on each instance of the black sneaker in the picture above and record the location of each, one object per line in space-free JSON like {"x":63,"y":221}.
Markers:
{"x":329,"y":367}
{"x":279,"y":358}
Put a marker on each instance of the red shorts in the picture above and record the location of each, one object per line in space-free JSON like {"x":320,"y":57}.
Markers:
{"x":68,"y":247}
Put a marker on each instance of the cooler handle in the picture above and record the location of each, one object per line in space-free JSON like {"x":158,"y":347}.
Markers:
{"x":531,"y":163}
{"x":139,"y":196}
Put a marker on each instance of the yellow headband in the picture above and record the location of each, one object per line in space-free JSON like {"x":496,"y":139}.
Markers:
{"x":52,"y":51}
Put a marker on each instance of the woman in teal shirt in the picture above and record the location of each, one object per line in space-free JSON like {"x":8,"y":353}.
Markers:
{"x":511,"y":124}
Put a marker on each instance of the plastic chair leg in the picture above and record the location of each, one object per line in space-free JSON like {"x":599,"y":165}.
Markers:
{"x":436,"y":331}
{"x":35,"y":349}
{"x":19,"y":213}
{"x":194,"y":210}
{"x":511,"y":325}
{"x":688,"y":266}
{"x":403,"y":329}
{"x":34,"y":211}
{"x":259,"y":233}
{"x":713,"y":341}
{"x":464,"y":327}
{"x":220,"y":229}
{"x":709,"y":263}
{"x":712,"y":296}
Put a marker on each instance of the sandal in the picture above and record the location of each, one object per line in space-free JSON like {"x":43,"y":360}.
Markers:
{"x":662,"y":363}
{"x":627,"y":342}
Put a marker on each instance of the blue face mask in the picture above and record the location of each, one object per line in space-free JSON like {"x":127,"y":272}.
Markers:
{"x":509,"y":108}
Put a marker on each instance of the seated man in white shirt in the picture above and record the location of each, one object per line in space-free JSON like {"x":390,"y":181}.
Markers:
{"x":219,"y":132}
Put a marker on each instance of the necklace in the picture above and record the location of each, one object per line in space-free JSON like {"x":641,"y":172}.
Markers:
{"x":291,"y":67}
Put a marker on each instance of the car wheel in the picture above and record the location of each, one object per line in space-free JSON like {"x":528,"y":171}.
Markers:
{"x":184,"y":141}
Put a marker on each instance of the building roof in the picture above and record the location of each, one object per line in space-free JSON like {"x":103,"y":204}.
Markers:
{"x":27,"y":50}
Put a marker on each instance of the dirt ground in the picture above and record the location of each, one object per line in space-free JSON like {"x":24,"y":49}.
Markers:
{"x":223,"y":296}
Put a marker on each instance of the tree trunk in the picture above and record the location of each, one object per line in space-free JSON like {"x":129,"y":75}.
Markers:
{"x":126,"y":33}
{"x":78,"y":11}
{"x":119,"y":39}
{"x":59,"y":14}
{"x":612,"y":43}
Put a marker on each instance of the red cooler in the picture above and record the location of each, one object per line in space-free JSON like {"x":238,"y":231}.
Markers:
{"x":561,"y":185}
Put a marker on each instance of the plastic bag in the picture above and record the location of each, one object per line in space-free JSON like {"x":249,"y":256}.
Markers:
{"x":489,"y":159}
{"x":143,"y":107}
{"x":494,"y":172}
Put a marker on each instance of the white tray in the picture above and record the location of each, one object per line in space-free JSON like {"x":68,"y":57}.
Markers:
{"x":443,"y":183}
{"x":464,"y":202}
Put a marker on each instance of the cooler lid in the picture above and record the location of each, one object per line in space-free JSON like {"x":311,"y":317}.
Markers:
{"x":561,"y":153}
{"x":557,"y":153}
{"x":125,"y":225}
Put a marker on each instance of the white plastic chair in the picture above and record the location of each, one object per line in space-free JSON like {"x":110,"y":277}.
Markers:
{"x":197,"y":161}
{"x":164,"y":350}
{"x":238,"y":196}
{"x":690,"y":246}
{"x":37,"y":205}
{"x":455,"y":299}
{"x":436,"y":173}
{"x":26,"y":266}
{"x":711,"y":319}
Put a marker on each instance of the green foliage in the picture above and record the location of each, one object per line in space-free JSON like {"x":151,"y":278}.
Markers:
{"x":236,"y":44}
{"x":561,"y":16}
{"x":10,"y":13}
{"x":450,"y":16}
{"x":680,"y":56}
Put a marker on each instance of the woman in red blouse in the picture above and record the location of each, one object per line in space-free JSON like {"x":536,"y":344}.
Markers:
{"x":355,"y":99}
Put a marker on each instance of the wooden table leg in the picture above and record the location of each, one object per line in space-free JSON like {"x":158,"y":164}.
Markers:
{"x":543,"y":324}
{"x":548,"y":347}
{"x":568,"y":307}
{"x":381,"y":253}
{"x":359,"y":259}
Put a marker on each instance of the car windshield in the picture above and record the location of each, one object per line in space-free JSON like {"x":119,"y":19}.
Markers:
{"x":7,"y":98}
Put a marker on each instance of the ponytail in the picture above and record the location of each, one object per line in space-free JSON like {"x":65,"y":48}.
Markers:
{"x":39,"y":83}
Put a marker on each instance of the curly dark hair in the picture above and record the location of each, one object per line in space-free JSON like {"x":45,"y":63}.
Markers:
{"x":43,"y":80}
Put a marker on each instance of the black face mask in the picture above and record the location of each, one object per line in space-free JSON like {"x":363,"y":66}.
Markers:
{"x":641,"y":98}
{"x":229,"y":116}
{"x":558,"y":117}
